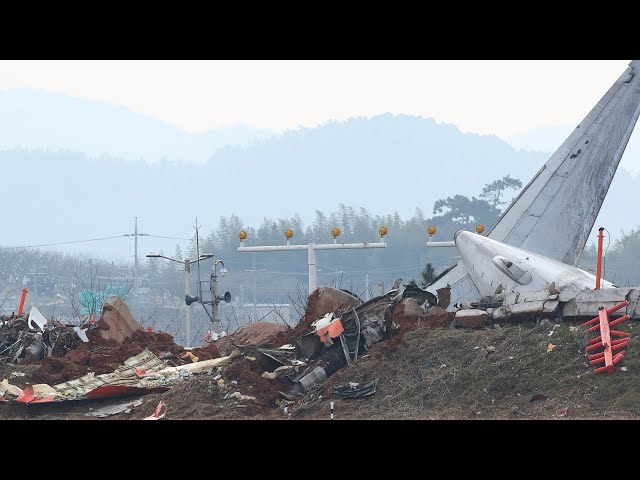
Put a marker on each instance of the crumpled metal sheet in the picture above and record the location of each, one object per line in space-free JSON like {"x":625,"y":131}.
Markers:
{"x":8,"y":390}
{"x":141,"y":374}
{"x":121,"y":382}
{"x":356,"y":390}
{"x":114,"y":409}
{"x":18,"y":340}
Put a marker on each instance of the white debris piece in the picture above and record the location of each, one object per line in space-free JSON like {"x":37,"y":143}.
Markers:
{"x":114,"y":409}
{"x":82,"y":334}
{"x":38,"y":318}
{"x":239,"y":396}
{"x":7,"y":389}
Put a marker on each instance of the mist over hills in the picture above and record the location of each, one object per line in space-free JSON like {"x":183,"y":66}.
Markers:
{"x":75,"y":176}
{"x":35,"y":119}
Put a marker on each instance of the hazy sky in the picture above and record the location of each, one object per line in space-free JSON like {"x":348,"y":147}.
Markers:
{"x":500,"y":97}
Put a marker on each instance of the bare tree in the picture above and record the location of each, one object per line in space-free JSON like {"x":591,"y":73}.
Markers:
{"x":86,"y":293}
{"x":299,"y":302}
{"x":5,"y":291}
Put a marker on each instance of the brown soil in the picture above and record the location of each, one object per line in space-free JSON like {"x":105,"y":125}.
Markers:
{"x":247,"y":374}
{"x":438,"y":373}
{"x":104,"y":356}
{"x":405,"y":326}
{"x":208,"y":352}
{"x":254,"y":334}
{"x":304,"y":325}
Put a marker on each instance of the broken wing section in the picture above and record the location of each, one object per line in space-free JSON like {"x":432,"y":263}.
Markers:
{"x":462,"y":287}
{"x":555,"y":212}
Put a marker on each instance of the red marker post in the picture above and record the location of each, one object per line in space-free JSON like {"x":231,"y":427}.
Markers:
{"x":22,"y":299}
{"x":599,"y":264}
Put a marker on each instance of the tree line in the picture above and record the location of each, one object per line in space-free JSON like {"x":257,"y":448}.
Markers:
{"x":272,"y":277}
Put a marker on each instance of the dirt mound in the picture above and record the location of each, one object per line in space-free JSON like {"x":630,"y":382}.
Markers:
{"x":57,"y":370}
{"x":407,"y":324}
{"x":254,"y":334}
{"x":322,"y":301}
{"x":434,"y":373}
{"x":247,"y":374}
{"x":104,"y":356}
{"x":208,"y":352}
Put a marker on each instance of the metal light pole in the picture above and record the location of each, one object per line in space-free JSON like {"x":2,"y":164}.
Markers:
{"x":311,"y":249}
{"x":214,"y":290}
{"x":186,"y":264}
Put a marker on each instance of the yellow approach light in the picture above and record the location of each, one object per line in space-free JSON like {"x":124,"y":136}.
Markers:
{"x":288,"y":234}
{"x":335,"y":232}
{"x":242,"y":235}
{"x":480,"y":229}
{"x":383,"y":231}
{"x":431,"y":230}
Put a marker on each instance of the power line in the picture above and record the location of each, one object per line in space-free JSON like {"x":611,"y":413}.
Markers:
{"x":91,"y":240}
{"x":66,"y":243}
{"x":172,"y":238}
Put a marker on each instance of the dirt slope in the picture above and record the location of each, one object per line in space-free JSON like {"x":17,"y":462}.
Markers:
{"x":437,"y":373}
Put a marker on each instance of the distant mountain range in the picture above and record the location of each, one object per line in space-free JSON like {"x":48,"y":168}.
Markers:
{"x":35,"y":119}
{"x":59,"y":188}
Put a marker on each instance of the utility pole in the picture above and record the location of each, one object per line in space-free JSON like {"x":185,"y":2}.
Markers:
{"x":187,"y":281}
{"x":135,"y":236}
{"x":186,"y":264}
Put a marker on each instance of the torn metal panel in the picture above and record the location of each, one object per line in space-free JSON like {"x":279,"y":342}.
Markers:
{"x":124,"y":381}
{"x":315,"y":376}
{"x":355,"y":390}
{"x":19,"y":343}
{"x":36,"y":317}
{"x":587,"y":303}
{"x":9,"y":391}
{"x":420,"y":295}
{"x":82,"y":334}
{"x":567,"y":295}
{"x":39,"y":393}
{"x":462,"y":288}
{"x":110,"y":391}
{"x":540,"y":295}
{"x":114,"y":409}
{"x":309,"y":345}
{"x":539,"y":307}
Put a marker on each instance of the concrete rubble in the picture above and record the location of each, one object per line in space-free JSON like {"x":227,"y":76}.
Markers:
{"x":117,"y":322}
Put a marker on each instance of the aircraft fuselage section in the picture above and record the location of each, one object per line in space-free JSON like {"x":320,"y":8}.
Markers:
{"x":496,"y":267}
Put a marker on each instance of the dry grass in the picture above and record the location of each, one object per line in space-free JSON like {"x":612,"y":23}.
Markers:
{"x":492,"y":373}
